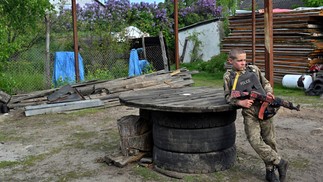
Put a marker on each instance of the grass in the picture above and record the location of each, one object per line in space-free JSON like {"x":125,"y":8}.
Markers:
{"x":75,"y":175}
{"x":5,"y":164}
{"x":207,"y":79}
{"x":147,"y":174}
{"x":299,"y":163}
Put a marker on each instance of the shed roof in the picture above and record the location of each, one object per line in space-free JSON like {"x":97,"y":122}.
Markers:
{"x":283,"y":4}
{"x":199,"y":24}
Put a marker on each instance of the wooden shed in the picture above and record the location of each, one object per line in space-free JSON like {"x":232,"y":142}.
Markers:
{"x":297,"y":36}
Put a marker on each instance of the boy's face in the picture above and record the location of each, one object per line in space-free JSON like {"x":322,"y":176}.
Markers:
{"x":239,"y":63}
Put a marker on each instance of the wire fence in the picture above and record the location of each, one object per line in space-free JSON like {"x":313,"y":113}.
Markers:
{"x":27,"y":71}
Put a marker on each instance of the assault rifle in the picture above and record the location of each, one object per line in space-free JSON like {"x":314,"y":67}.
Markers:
{"x":265,"y":100}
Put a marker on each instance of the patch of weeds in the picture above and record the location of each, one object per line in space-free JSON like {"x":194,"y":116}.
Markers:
{"x":82,"y":140}
{"x":246,"y":165}
{"x":147,"y":174}
{"x":103,"y":146}
{"x":196,"y":177}
{"x":6,"y":136}
{"x":218,"y":177}
{"x":75,"y":175}
{"x":84,"y":135}
{"x":235,"y":174}
{"x":30,"y":160}
{"x":107,"y":142}
{"x":299,"y":163}
{"x":59,"y":123}
{"x":100,"y":146}
{"x":4,"y":164}
{"x":85,"y":112}
{"x":78,"y":144}
{"x":113,"y":135}
{"x":45,"y":120}
{"x":78,"y":137}
{"x":3,"y":137}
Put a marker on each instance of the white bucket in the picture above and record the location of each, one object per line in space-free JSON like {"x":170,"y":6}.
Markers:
{"x":290,"y":81}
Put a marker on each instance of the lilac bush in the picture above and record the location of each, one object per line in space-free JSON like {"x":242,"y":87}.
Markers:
{"x":148,"y":17}
{"x":199,"y":11}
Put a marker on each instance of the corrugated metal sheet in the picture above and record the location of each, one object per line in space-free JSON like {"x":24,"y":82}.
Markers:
{"x":298,"y":40}
{"x":286,"y":4}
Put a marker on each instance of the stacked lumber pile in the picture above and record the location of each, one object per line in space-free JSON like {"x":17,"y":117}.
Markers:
{"x":107,"y":91}
{"x":297,"y":37}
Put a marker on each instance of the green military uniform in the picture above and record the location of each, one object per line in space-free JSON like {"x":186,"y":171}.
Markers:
{"x":260,"y":133}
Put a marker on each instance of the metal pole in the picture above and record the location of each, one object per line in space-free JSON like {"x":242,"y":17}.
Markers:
{"x":268,"y":20}
{"x":253,"y":32}
{"x":77,"y":71}
{"x":176,"y":33}
{"x":47,"y":63}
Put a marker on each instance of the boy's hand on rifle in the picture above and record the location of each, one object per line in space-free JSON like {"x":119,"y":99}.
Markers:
{"x":269,"y":94}
{"x":247,"y":103}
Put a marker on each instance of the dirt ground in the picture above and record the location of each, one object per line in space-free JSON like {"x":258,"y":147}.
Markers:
{"x":66,"y":147}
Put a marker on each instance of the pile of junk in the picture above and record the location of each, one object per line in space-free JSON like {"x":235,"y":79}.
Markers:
{"x":311,"y":83}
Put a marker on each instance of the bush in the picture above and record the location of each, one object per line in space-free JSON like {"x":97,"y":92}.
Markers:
{"x":214,"y":65}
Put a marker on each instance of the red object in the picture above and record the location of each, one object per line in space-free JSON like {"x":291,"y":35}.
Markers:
{"x":316,"y":67}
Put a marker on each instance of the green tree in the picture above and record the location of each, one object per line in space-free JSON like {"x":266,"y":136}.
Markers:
{"x":19,"y":25}
{"x":228,"y":8}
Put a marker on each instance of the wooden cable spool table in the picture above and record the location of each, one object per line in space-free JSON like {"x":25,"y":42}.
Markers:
{"x":193,"y":127}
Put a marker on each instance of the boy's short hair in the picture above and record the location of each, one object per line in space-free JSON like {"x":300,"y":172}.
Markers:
{"x":236,"y":51}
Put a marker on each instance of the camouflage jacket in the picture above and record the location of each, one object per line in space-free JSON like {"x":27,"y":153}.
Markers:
{"x":227,"y":78}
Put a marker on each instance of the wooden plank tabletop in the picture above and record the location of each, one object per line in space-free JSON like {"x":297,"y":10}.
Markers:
{"x":186,"y":99}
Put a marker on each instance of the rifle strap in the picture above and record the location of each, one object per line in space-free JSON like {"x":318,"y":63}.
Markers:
{"x":236,"y":80}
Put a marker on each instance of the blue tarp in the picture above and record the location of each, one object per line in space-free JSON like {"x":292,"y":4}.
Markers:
{"x":144,"y":65}
{"x":64,"y":68}
{"x":136,"y":66}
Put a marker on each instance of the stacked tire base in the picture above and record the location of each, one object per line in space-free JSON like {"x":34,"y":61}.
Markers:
{"x":195,"y":162}
{"x":194,"y":142}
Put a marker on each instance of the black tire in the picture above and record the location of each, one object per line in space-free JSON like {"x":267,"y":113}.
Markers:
{"x":194,"y":140}
{"x":193,"y":120}
{"x":195,"y":162}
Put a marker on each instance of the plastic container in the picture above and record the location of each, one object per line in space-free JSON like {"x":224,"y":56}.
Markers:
{"x":290,"y":81}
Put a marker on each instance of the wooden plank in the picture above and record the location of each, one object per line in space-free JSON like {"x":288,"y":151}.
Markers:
{"x":33,"y":95}
{"x":61,"y":107}
{"x":4,"y":97}
{"x":121,"y":161}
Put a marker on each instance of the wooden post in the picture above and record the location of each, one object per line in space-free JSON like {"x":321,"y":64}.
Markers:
{"x":269,"y":52}
{"x":144,"y":46}
{"x":47,"y":60}
{"x":176,"y":33}
{"x":253,"y":32}
{"x":162,"y":45}
{"x":77,"y":68}
{"x":184,"y":50}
